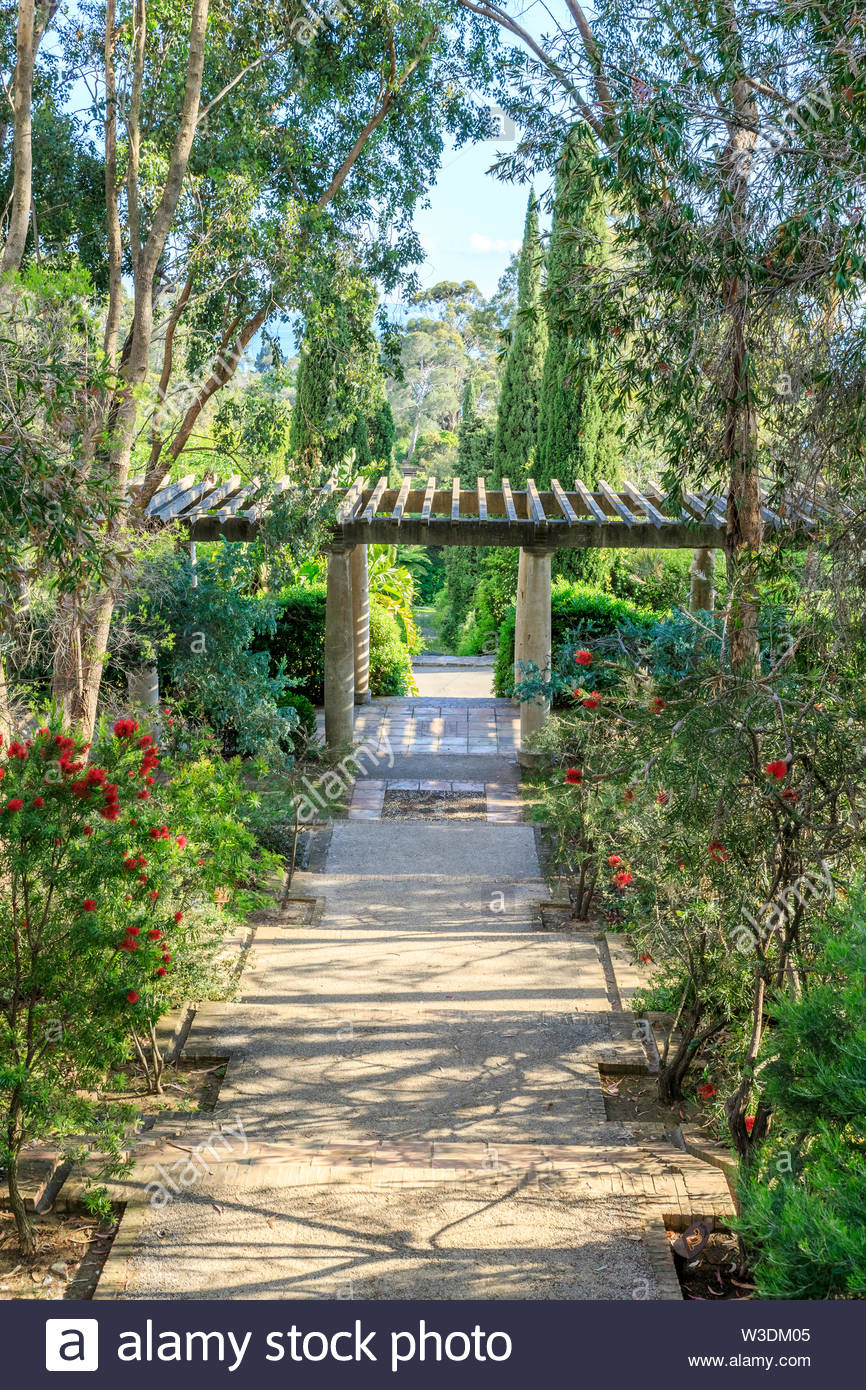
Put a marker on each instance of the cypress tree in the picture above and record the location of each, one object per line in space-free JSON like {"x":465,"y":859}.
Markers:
{"x":382,"y":434}
{"x":576,"y":434}
{"x":517,"y":420}
{"x":361,"y":444}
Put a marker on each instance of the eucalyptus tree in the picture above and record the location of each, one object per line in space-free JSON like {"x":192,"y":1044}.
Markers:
{"x":729,"y":138}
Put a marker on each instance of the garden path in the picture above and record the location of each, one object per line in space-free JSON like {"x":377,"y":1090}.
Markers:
{"x":413,"y":1107}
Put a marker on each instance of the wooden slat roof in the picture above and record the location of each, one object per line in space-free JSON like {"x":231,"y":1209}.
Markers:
{"x":431,"y":513}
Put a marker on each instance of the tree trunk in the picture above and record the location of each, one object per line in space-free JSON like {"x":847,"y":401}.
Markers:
{"x":22,"y":140}
{"x":23,"y":1224}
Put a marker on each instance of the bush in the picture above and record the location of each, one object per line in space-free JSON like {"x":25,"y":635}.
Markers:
{"x":661,"y":579}
{"x":299,"y":643}
{"x":802,"y":1209}
{"x":305,"y":711}
{"x":578,"y":611}
{"x":109,"y":861}
{"x":390,"y":663}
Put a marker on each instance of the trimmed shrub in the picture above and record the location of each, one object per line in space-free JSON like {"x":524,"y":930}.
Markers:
{"x":575,"y":610}
{"x":390,"y":663}
{"x":299,"y":642}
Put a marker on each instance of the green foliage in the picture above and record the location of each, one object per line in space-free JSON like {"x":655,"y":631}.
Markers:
{"x":426,"y":564}
{"x":661,"y":580}
{"x":518,"y":414}
{"x":305,"y":711}
{"x":382,"y":434}
{"x":461,"y":579}
{"x":250,"y":425}
{"x":360,"y":442}
{"x":390,"y":663}
{"x":801,"y":1202}
{"x":576,"y":427}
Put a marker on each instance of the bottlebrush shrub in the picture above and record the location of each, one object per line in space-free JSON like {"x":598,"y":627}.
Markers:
{"x":99,"y":874}
{"x":738,"y":808}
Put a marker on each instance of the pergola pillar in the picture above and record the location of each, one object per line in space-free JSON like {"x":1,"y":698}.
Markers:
{"x":339,"y":651}
{"x":536,"y":639}
{"x":361,"y":624}
{"x":519,"y":644}
{"x":702,"y":594}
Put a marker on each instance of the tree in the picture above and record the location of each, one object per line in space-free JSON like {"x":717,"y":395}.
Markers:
{"x":382,"y":434}
{"x":517,"y":419}
{"x":361,"y":444}
{"x":474,"y":452}
{"x":576,"y":438}
{"x":719,"y":136}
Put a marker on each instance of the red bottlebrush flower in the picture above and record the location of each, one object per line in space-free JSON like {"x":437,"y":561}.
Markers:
{"x":789,"y":795}
{"x":707,"y":1090}
{"x":178,"y":916}
{"x":663,"y":798}
{"x":129,"y":863}
{"x":129,"y":943}
{"x":657,"y":705}
{"x":200,"y":862}
{"x":778,"y":769}
{"x":181,"y":841}
{"x":96,"y":776}
{"x":142,"y":878}
{"x":166,"y":955}
{"x":583,"y":657}
{"x":2,"y":772}
{"x":164,"y":832}
{"x":171,"y":721}
{"x":110,"y":812}
{"x":42,"y":733}
{"x":38,"y":802}
{"x":133,"y":931}
{"x":614,"y":860}
{"x":161,"y":971}
{"x":154,"y":934}
{"x":646,"y":960}
{"x":144,"y":796}
{"x":149,"y":781}
{"x":141,"y":861}
{"x":628,"y":795}
{"x":154,"y":833}
{"x":750,"y":1123}
{"x":88,"y":829}
{"x":132,"y":996}
{"x":133,"y":821}
{"x":16,"y":804}
{"x":63,"y":742}
{"x":622,"y":879}
{"x":125,"y":728}
{"x":109,"y":791}
{"x":592,"y":702}
{"x":574,"y":776}
{"x":154,"y":894}
{"x":144,"y":741}
{"x":717,"y":852}
{"x":89,"y":904}
{"x":16,"y":750}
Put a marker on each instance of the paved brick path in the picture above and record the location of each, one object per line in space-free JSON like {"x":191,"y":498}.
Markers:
{"x":413,"y":1106}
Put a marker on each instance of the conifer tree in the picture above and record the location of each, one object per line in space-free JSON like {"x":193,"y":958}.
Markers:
{"x":361,"y":444}
{"x":382,"y":433}
{"x":576,"y":433}
{"x":517,"y":420}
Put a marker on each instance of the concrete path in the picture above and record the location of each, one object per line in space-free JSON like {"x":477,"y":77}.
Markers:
{"x":413,"y":1106}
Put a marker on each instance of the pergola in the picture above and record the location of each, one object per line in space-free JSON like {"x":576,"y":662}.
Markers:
{"x":538,"y":521}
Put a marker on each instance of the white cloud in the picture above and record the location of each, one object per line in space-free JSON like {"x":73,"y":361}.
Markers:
{"x":487,"y":245}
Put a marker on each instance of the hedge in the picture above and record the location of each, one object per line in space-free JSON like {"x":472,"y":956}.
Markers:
{"x":574,"y":608}
{"x":299,"y":641}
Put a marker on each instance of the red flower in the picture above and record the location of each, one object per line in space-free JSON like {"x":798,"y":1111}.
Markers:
{"x":38,"y":802}
{"x":129,"y":863}
{"x":789,"y":795}
{"x":583,"y":657}
{"x":89,"y":904}
{"x":750,"y":1123}
{"x":574,"y":776}
{"x":178,"y":916}
{"x":154,"y":833}
{"x":164,"y":832}
{"x":125,"y":728}
{"x":96,"y":776}
{"x":133,"y":931}
{"x":144,"y":796}
{"x":201,"y":861}
{"x":707,"y":1090}
{"x":614,"y":860}
{"x":628,"y":795}
{"x":646,"y":960}
{"x":88,"y":829}
{"x":657,"y":705}
{"x":132,"y":996}
{"x":129,"y":944}
{"x":154,"y":934}
{"x":663,"y":798}
{"x":181,"y":840}
{"x":17,"y":750}
{"x":16,"y":804}
{"x":161,"y":971}
{"x":145,"y":741}
{"x":592,"y":702}
{"x":154,"y":894}
{"x":622,"y":879}
{"x":110,"y":811}
{"x":141,"y":861}
{"x":166,"y":955}
{"x":717,"y":852}
{"x":777,"y":769}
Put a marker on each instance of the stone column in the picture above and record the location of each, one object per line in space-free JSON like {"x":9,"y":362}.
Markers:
{"x":519,"y":615}
{"x":536,"y":641}
{"x":361,"y":624}
{"x":339,"y":652}
{"x":702,"y":595}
